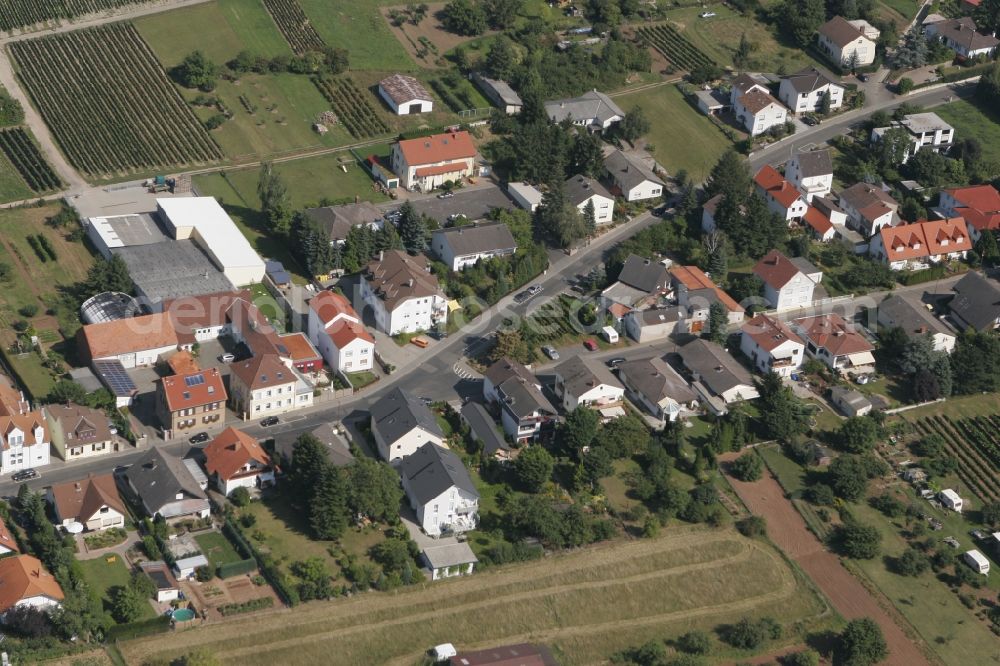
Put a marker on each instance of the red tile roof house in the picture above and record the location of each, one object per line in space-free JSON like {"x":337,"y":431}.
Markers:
{"x":248,"y":325}
{"x":234,"y":460}
{"x":836,"y":343}
{"x":7,"y":542}
{"x":93,"y":502}
{"x":772,"y":346}
{"x":696,"y":291}
{"x":868,"y":208}
{"x":425,"y":163}
{"x":915,"y":246}
{"x":819,"y":225}
{"x":25,"y":582}
{"x":336,"y":330}
{"x":788,"y":283}
{"x":195,"y":400}
{"x":979,"y":205}
{"x":781,"y":196}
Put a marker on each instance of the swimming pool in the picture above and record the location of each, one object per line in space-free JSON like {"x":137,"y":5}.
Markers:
{"x":182,"y":615}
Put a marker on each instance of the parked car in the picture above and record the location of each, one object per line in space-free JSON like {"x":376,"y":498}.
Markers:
{"x":590,"y":344}
{"x":535,"y":289}
{"x":227,"y":358}
{"x":863,"y":78}
{"x":427,"y":401}
{"x":446,"y":195}
{"x":707,"y":15}
{"x":269,"y":421}
{"x":521,"y":297}
{"x":199,"y":438}
{"x":810,"y":120}
{"x":615,"y":362}
{"x":551,"y":352}
{"x":24,"y":475}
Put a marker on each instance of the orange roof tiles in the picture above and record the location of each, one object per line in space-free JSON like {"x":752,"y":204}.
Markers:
{"x":230,"y":451}
{"x":328,"y":305}
{"x":190,"y":313}
{"x":756,"y":101}
{"x":694,"y":278}
{"x":80,"y":500}
{"x":817,"y":221}
{"x":925,"y":239}
{"x":262,"y":371}
{"x":23,"y":577}
{"x":980,"y":206}
{"x":298,"y":347}
{"x":437,"y":148}
{"x":439,"y":170}
{"x":7,"y":538}
{"x":193,"y":390}
{"x":11,"y":400}
{"x":774,"y":184}
{"x":344,"y":333}
{"x":769,"y":333}
{"x":183,"y":363}
{"x":27,"y":424}
{"x":775,"y":269}
{"x":122,"y":336}
{"x":833,"y":333}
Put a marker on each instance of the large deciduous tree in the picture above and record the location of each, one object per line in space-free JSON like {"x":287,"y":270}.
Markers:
{"x":862,"y":643}
{"x":533,"y":468}
{"x":275,"y":203}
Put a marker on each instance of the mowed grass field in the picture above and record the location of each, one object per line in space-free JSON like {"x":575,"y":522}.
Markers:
{"x":358,"y":26}
{"x":974,"y":121}
{"x":688,"y":140}
{"x":586,"y":604}
{"x":217,"y":549}
{"x":272,"y":114}
{"x":12,"y":186}
{"x":103,"y":576}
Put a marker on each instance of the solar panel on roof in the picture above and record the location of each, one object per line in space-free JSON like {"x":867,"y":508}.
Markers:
{"x":195,"y":380}
{"x":113,"y":374}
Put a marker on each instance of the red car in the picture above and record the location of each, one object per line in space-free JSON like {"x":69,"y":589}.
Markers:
{"x":590,"y":344}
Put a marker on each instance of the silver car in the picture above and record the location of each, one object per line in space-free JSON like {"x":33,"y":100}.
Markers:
{"x":551,"y":352}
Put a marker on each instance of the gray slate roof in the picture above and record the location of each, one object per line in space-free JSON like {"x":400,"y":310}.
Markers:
{"x":478,"y":238}
{"x":523,"y":398}
{"x":398,"y":413}
{"x":716,"y":368}
{"x":656,"y":316}
{"x":815,"y":163}
{"x":897,"y":311}
{"x":484,"y":428}
{"x":645,"y":274}
{"x":443,"y":555}
{"x":159,"y":477}
{"x":848,"y":396}
{"x":808,"y":80}
{"x":581,"y":375}
{"x":338,"y":220}
{"x":628,"y":170}
{"x":432,"y":470}
{"x":581,"y":188}
{"x":587,"y":107}
{"x":656,"y":380}
{"x":977,"y":301}
{"x":505,"y":368}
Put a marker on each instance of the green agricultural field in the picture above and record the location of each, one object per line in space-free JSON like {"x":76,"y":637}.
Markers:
{"x":587,"y":604}
{"x":216,"y":547}
{"x":359,"y":28}
{"x":12,"y":186}
{"x":719,"y":36}
{"x":103,"y":576}
{"x":689,"y":141}
{"x":971,"y":120}
{"x":272,"y":114}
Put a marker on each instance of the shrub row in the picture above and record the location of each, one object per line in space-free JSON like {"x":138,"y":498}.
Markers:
{"x":246,"y":606}
{"x":230,"y":569}
{"x":268,"y":569}
{"x":155,"y":625}
{"x":935,"y":272}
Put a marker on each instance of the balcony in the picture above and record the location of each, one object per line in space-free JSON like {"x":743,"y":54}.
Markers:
{"x":782,"y":362}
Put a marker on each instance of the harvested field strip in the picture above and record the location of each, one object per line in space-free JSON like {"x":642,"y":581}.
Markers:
{"x":108,"y":102}
{"x":606,"y":590}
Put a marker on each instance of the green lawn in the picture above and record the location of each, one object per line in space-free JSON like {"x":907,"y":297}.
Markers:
{"x":12,"y":186}
{"x":905,"y":8}
{"x":102,"y":576}
{"x":790,"y":474}
{"x":719,"y":36}
{"x":270,"y":307}
{"x":359,"y":28}
{"x":973,"y":121}
{"x":959,"y":407}
{"x":688,"y":141}
{"x":216,"y":547}
{"x":361,"y":379}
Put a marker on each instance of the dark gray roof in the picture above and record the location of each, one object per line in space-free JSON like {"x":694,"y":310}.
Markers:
{"x":338,"y":220}
{"x":474,"y":239}
{"x":655,"y":316}
{"x":581,"y":188}
{"x":159,"y":477}
{"x":505,"y":368}
{"x":398,"y":413}
{"x":440,"y":555}
{"x":589,"y":106}
{"x":656,"y":380}
{"x":815,"y":163}
{"x":977,"y":301}
{"x":629,"y":170}
{"x":804,"y":265}
{"x":645,"y":274}
{"x":338,"y":451}
{"x":484,"y":428}
{"x":849,"y":396}
{"x":432,"y":470}
{"x":913,"y":319}
{"x":808,"y":80}
{"x":580,"y":375}
{"x":522,"y":397}
{"x":716,"y":368}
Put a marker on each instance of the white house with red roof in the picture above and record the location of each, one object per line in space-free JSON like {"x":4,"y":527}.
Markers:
{"x":979,"y":205}
{"x":781,"y":196}
{"x":835,"y":342}
{"x":788,"y":283}
{"x":336,"y":330}
{"x":234,"y":460}
{"x":425,"y":163}
{"x":772,"y":346}
{"x":811,"y":173}
{"x":758,"y":111}
{"x":914,"y":246}
{"x":868,"y":208}
{"x":819,"y":224}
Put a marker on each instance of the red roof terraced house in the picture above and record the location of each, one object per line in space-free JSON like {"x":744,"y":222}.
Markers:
{"x":234,"y":460}
{"x":425,"y":163}
{"x":979,"y":205}
{"x":836,"y":343}
{"x":914,"y":246}
{"x":194,"y":401}
{"x":337,"y":332}
{"x":781,"y":196}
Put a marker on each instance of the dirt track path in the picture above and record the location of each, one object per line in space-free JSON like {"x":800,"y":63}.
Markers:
{"x":788,"y":530}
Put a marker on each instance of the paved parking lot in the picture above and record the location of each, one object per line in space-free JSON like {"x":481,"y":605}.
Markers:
{"x":474,"y":202}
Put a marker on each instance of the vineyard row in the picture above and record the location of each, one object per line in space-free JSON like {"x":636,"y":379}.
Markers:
{"x":27,"y":159}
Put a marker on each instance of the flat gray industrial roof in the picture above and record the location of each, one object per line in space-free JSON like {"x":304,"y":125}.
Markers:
{"x":172,"y":269}
{"x":130,"y":230}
